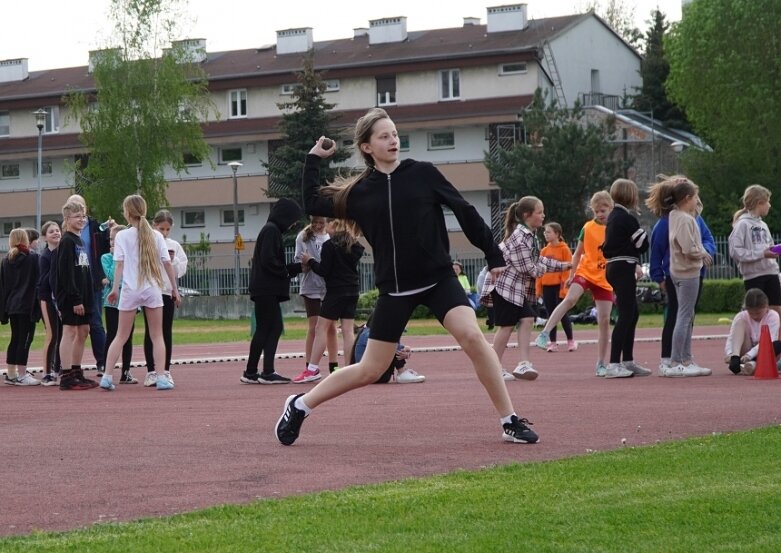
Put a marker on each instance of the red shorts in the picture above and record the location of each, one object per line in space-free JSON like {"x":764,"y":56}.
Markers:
{"x":597,"y":292}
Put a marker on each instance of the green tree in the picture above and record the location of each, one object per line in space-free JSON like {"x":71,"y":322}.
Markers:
{"x":654,"y":70}
{"x":147,"y":112}
{"x":725,"y":71}
{"x":565,"y":160}
{"x":305,"y":119}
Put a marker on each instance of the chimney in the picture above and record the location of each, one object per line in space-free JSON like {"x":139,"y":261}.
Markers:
{"x":193,"y":49}
{"x":389,"y":29}
{"x":360,"y":31}
{"x":13,"y":70}
{"x":293,"y":41}
{"x":96,"y":55}
{"x":471,"y":21}
{"x":507,"y":18}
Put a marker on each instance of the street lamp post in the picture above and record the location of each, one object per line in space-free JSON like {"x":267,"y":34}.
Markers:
{"x":40,"y":121}
{"x":234,"y":165}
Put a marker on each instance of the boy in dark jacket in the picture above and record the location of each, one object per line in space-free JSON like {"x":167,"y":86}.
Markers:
{"x":269,"y":286}
{"x":75,"y":297}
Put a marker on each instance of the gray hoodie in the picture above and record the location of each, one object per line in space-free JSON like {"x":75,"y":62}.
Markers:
{"x":748,"y":241}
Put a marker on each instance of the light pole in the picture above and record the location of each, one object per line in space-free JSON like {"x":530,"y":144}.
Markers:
{"x":40,"y":121}
{"x":237,"y":245}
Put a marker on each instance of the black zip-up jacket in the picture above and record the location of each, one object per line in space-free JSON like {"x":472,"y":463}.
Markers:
{"x":45,"y":265}
{"x":99,"y":244}
{"x":339,"y":268}
{"x":270,"y":275}
{"x":18,"y":278}
{"x":624,"y":239}
{"x":73,"y":278}
{"x":400,"y":215}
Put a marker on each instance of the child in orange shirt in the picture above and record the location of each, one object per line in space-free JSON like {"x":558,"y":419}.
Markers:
{"x":552,"y":287}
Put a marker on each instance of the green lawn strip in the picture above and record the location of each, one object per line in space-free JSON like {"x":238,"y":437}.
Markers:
{"x":716,"y":493}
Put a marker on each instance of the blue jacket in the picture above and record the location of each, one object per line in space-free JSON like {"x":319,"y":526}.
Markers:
{"x":660,"y":247}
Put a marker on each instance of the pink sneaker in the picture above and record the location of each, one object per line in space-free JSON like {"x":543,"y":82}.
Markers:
{"x":552,"y":347}
{"x":572,"y":345}
{"x":307,"y":376}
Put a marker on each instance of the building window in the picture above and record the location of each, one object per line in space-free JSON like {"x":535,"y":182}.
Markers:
{"x":191,"y":160}
{"x":8,"y":226}
{"x":229,"y":154}
{"x":46,"y":168}
{"x":193,"y":218}
{"x":442,"y":140}
{"x":52,"y":124}
{"x":9,"y":171}
{"x":238,"y":103}
{"x":450,"y":82}
{"x":512,"y":68}
{"x":287,"y":89}
{"x":386,"y":91}
{"x":404,"y":142}
{"x":332,"y":85}
{"x":5,"y":123}
{"x":226,"y":217}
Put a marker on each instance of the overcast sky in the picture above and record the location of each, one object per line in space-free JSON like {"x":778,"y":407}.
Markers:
{"x":55,"y":34}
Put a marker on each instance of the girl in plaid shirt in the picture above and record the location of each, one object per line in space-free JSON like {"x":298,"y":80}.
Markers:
{"x":513,"y":292}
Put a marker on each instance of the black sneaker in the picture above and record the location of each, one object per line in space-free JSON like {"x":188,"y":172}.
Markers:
{"x":272,"y":378}
{"x":517,"y":432}
{"x":289,"y":424}
{"x":86,"y":382}
{"x":250,"y":378}
{"x":69,"y":380}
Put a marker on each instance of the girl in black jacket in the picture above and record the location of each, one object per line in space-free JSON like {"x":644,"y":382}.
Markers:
{"x":51,"y":347}
{"x":338,"y":265}
{"x":19,"y":305}
{"x":269,"y":285}
{"x":398,"y":207}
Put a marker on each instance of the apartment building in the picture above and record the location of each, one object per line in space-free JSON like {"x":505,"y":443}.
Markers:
{"x":453,"y":93}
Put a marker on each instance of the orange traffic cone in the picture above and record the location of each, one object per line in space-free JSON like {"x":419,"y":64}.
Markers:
{"x":766,"y":358}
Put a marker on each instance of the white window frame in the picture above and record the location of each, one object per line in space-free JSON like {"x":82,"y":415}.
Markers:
{"x":223,"y":161}
{"x":402,"y":147}
{"x":225,"y":223}
{"x":3,"y":170}
{"x":52,"y":122}
{"x":13,"y":224}
{"x":5,"y":128}
{"x":446,"y":89}
{"x":235,"y":98}
{"x":193,"y":224}
{"x":388,"y":98}
{"x":287,"y":89}
{"x":44,"y":171}
{"x":520,"y":68}
{"x":433,"y":146}
{"x":332,"y":85}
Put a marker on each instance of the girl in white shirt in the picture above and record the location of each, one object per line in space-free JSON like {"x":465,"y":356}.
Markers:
{"x":742,"y":345}
{"x":140,"y":258}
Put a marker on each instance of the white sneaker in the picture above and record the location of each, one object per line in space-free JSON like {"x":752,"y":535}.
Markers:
{"x":702,"y":371}
{"x":525,"y":371}
{"x":617,"y":370}
{"x":507,"y":375}
{"x":636,"y":369}
{"x":150,"y":379}
{"x":662,"y":368}
{"x":27,"y":380}
{"x":409,"y":377}
{"x":170,"y":378}
{"x":680,"y":371}
{"x":748,"y":368}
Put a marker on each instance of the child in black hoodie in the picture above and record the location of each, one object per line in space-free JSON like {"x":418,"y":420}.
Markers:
{"x":338,"y":265}
{"x":398,"y":207}
{"x":269,"y":285}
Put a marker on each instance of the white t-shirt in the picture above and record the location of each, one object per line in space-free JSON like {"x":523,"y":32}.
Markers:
{"x":753,"y":328}
{"x":126,"y":250}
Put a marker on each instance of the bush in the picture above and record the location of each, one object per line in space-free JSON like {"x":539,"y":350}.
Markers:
{"x":721,"y":296}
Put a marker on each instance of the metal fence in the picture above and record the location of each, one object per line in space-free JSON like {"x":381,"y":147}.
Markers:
{"x":214,"y":275}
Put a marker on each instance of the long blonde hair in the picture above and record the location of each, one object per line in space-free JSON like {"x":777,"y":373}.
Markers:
{"x":18,"y":237}
{"x":751,"y":197}
{"x":148,"y":255}
{"x":342,"y":186}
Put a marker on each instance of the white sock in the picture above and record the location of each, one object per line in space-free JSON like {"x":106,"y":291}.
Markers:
{"x":509,"y":418}
{"x":666,"y":361}
{"x":312,"y":367}
{"x":299,"y":404}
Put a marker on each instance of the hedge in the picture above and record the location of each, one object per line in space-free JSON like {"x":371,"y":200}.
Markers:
{"x":718,"y":296}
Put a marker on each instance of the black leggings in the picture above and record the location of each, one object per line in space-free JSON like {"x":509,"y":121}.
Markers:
{"x":268,"y":329}
{"x":22,"y":334}
{"x":671,"y":313}
{"x":621,"y":276}
{"x":112,"y":324}
{"x":550,"y":297}
{"x":168,"y":338}
{"x":52,"y":353}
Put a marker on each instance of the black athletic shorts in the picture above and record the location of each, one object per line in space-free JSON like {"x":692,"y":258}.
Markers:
{"x":392,"y":313}
{"x":769,"y":284}
{"x":312,"y":306}
{"x":507,"y":313}
{"x":334,"y":308}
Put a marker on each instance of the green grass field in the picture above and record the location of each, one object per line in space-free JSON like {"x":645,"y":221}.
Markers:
{"x":716,"y":493}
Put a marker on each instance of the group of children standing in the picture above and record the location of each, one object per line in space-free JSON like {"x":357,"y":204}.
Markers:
{"x":57,"y":286}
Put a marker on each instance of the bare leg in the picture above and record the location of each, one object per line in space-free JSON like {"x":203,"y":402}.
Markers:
{"x":310,"y":336}
{"x":319,"y":343}
{"x":524,"y":336}
{"x":333,"y":346}
{"x":47,"y":363}
{"x":154,"y":318}
{"x":501,"y":338}
{"x":72,"y":344}
{"x":603,"y":323}
{"x":125,"y":322}
{"x":348,"y":336}
{"x":575,"y":291}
